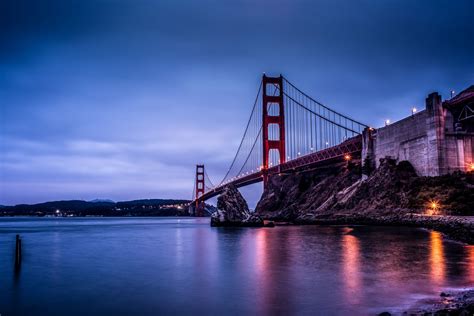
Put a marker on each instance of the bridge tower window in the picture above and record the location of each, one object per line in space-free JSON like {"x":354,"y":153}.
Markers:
{"x":273,"y":132}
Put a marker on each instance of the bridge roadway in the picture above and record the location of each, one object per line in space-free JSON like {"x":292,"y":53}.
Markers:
{"x":352,"y":147}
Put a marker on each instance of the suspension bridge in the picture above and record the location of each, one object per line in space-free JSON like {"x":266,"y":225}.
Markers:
{"x":287,"y":130}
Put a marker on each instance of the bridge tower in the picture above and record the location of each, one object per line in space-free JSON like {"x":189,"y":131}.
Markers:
{"x":270,"y":117}
{"x":198,"y":211}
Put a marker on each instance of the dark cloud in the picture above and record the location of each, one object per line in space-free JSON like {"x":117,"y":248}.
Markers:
{"x":172,"y":82}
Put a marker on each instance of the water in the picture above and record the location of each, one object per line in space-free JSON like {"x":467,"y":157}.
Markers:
{"x":151,"y":266}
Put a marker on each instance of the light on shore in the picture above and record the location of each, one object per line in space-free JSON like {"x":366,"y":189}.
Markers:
{"x":433,"y":208}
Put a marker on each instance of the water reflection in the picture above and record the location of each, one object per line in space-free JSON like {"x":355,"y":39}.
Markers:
{"x":261,"y":252}
{"x":470,"y":263}
{"x":179,"y":249}
{"x":163,"y":266}
{"x":263,"y":270}
{"x":437,"y":260}
{"x":273,"y":272}
{"x":351,"y":268}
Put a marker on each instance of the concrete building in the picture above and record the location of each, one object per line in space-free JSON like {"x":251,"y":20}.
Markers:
{"x":436,"y":141}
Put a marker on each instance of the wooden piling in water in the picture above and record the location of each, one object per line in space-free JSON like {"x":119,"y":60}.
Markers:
{"x":18,"y":251}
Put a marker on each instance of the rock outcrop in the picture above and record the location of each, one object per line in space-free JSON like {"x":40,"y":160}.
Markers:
{"x":232,"y":210}
{"x":288,"y":196}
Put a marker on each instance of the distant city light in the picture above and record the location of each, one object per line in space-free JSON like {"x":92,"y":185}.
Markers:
{"x":387,"y":122}
{"x":413,"y":110}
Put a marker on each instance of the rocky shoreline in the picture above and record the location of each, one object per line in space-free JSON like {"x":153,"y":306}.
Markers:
{"x":460,"y":302}
{"x":393,"y":195}
{"x":455,"y":227}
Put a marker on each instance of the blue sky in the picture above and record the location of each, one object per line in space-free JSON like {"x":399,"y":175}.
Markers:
{"x":121,"y":98}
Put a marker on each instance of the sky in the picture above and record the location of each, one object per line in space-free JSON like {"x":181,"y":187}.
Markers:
{"x":120,"y":99}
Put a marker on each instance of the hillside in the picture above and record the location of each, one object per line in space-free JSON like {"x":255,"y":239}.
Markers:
{"x":148,"y":207}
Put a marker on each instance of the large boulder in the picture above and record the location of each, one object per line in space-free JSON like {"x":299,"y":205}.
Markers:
{"x":232,"y":210}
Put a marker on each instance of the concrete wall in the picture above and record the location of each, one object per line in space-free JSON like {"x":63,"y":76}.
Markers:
{"x":404,"y":140}
{"x":426,"y":139}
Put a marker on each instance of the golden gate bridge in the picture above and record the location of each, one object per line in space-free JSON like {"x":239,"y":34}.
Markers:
{"x":287,"y":131}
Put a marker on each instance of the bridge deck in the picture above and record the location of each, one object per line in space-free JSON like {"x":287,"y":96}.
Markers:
{"x":352,"y":146}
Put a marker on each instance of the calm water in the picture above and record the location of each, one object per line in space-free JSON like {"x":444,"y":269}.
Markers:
{"x":182,"y":266}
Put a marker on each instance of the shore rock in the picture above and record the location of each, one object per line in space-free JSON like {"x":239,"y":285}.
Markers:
{"x":456,"y":303}
{"x":232,"y":210}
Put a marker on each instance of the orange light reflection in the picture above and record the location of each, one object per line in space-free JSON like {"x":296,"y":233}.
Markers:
{"x":437,"y":260}
{"x":470,"y":259}
{"x":351,"y":268}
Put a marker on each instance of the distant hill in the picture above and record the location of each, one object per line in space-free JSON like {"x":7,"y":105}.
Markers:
{"x":100,"y":207}
{"x":101,"y":200}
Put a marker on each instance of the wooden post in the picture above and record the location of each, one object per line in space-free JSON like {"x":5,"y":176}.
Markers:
{"x":18,"y":251}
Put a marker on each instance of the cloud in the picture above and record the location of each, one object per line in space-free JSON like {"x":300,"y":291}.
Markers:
{"x":98,"y":94}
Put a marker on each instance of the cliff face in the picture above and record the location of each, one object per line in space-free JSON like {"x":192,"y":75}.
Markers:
{"x":391,"y":189}
{"x":289,"y":196}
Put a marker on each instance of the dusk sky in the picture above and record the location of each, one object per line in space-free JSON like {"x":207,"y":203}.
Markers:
{"x":120,"y":99}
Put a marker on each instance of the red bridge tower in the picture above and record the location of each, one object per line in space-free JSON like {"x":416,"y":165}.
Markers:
{"x":198,"y":211}
{"x":269,"y":102}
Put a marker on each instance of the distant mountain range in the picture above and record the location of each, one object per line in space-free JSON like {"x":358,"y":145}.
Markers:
{"x":100,"y":207}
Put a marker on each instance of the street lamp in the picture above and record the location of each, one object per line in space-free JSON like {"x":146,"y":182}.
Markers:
{"x":471,"y":167}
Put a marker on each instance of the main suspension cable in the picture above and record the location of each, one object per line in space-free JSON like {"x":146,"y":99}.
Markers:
{"x":243,"y":137}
